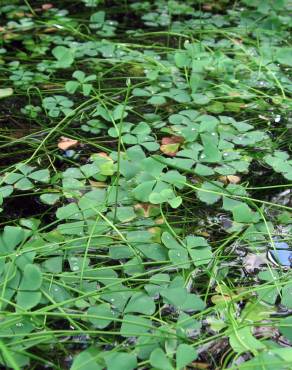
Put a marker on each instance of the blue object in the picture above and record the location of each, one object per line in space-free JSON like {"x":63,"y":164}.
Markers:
{"x":281,"y":255}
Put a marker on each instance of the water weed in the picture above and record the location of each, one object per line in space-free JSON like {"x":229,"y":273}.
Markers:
{"x":145,"y":185}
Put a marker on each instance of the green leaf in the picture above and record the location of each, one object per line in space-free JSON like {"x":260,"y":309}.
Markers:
{"x":287,"y":296}
{"x":103,"y":310}
{"x":86,"y":89}
{"x":72,"y":228}
{"x":185,"y":354}
{"x":211,"y":151}
{"x":50,"y":198}
{"x":284,"y":56}
{"x":141,"y":303}
{"x":174,"y":296}
{"x":145,"y":345}
{"x":32,"y":278}
{"x":182,"y":59}
{"x":192,"y":303}
{"x":69,"y":212}
{"x":10,"y":238}
{"x":201,"y":256}
{"x":87,"y":360}
{"x":24,"y":184}
{"x":120,"y":251}
{"x":164,"y":196}
{"x":159,"y":360}
{"x":179,"y":258}
{"x":79,"y":75}
{"x":203,"y":170}
{"x":175,"y":202}
{"x":6,"y":190}
{"x":206,"y":194}
{"x":28,"y":300}
{"x":41,"y":176}
{"x":53,"y":264}
{"x":157,"y":100}
{"x":125,"y":214}
{"x":134,"y":325}
{"x":275,"y":358}
{"x":71,"y":86}
{"x":242,"y":340}
{"x":134,"y":266}
{"x":285,"y":327}
{"x":116,"y":360}
{"x":169,"y":241}
{"x":64,"y":56}
{"x":242,"y":213}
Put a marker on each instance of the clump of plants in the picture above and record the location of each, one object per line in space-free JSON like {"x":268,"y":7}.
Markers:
{"x":145,"y":187}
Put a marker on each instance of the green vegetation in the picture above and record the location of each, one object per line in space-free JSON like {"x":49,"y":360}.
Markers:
{"x":145,"y":185}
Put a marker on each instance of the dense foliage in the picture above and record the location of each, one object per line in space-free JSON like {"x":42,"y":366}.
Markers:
{"x":145,"y":173}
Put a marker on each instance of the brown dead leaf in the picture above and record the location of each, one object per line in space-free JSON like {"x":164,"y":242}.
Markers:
{"x":200,"y":365}
{"x":237,"y":41}
{"x":50,"y":86}
{"x":172,"y":140}
{"x":104,"y":155}
{"x":156,"y":234}
{"x":97,"y":184}
{"x":264,"y":117}
{"x":207,"y":7}
{"x":47,"y":6}
{"x":219,"y":299}
{"x":144,"y":208}
{"x":205,"y":234}
{"x":230,"y":179}
{"x":19,"y":14}
{"x":66,"y":143}
{"x":234,"y":93}
{"x":170,"y":145}
{"x":10,"y":36}
{"x":50,"y":30}
{"x":159,"y":221}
